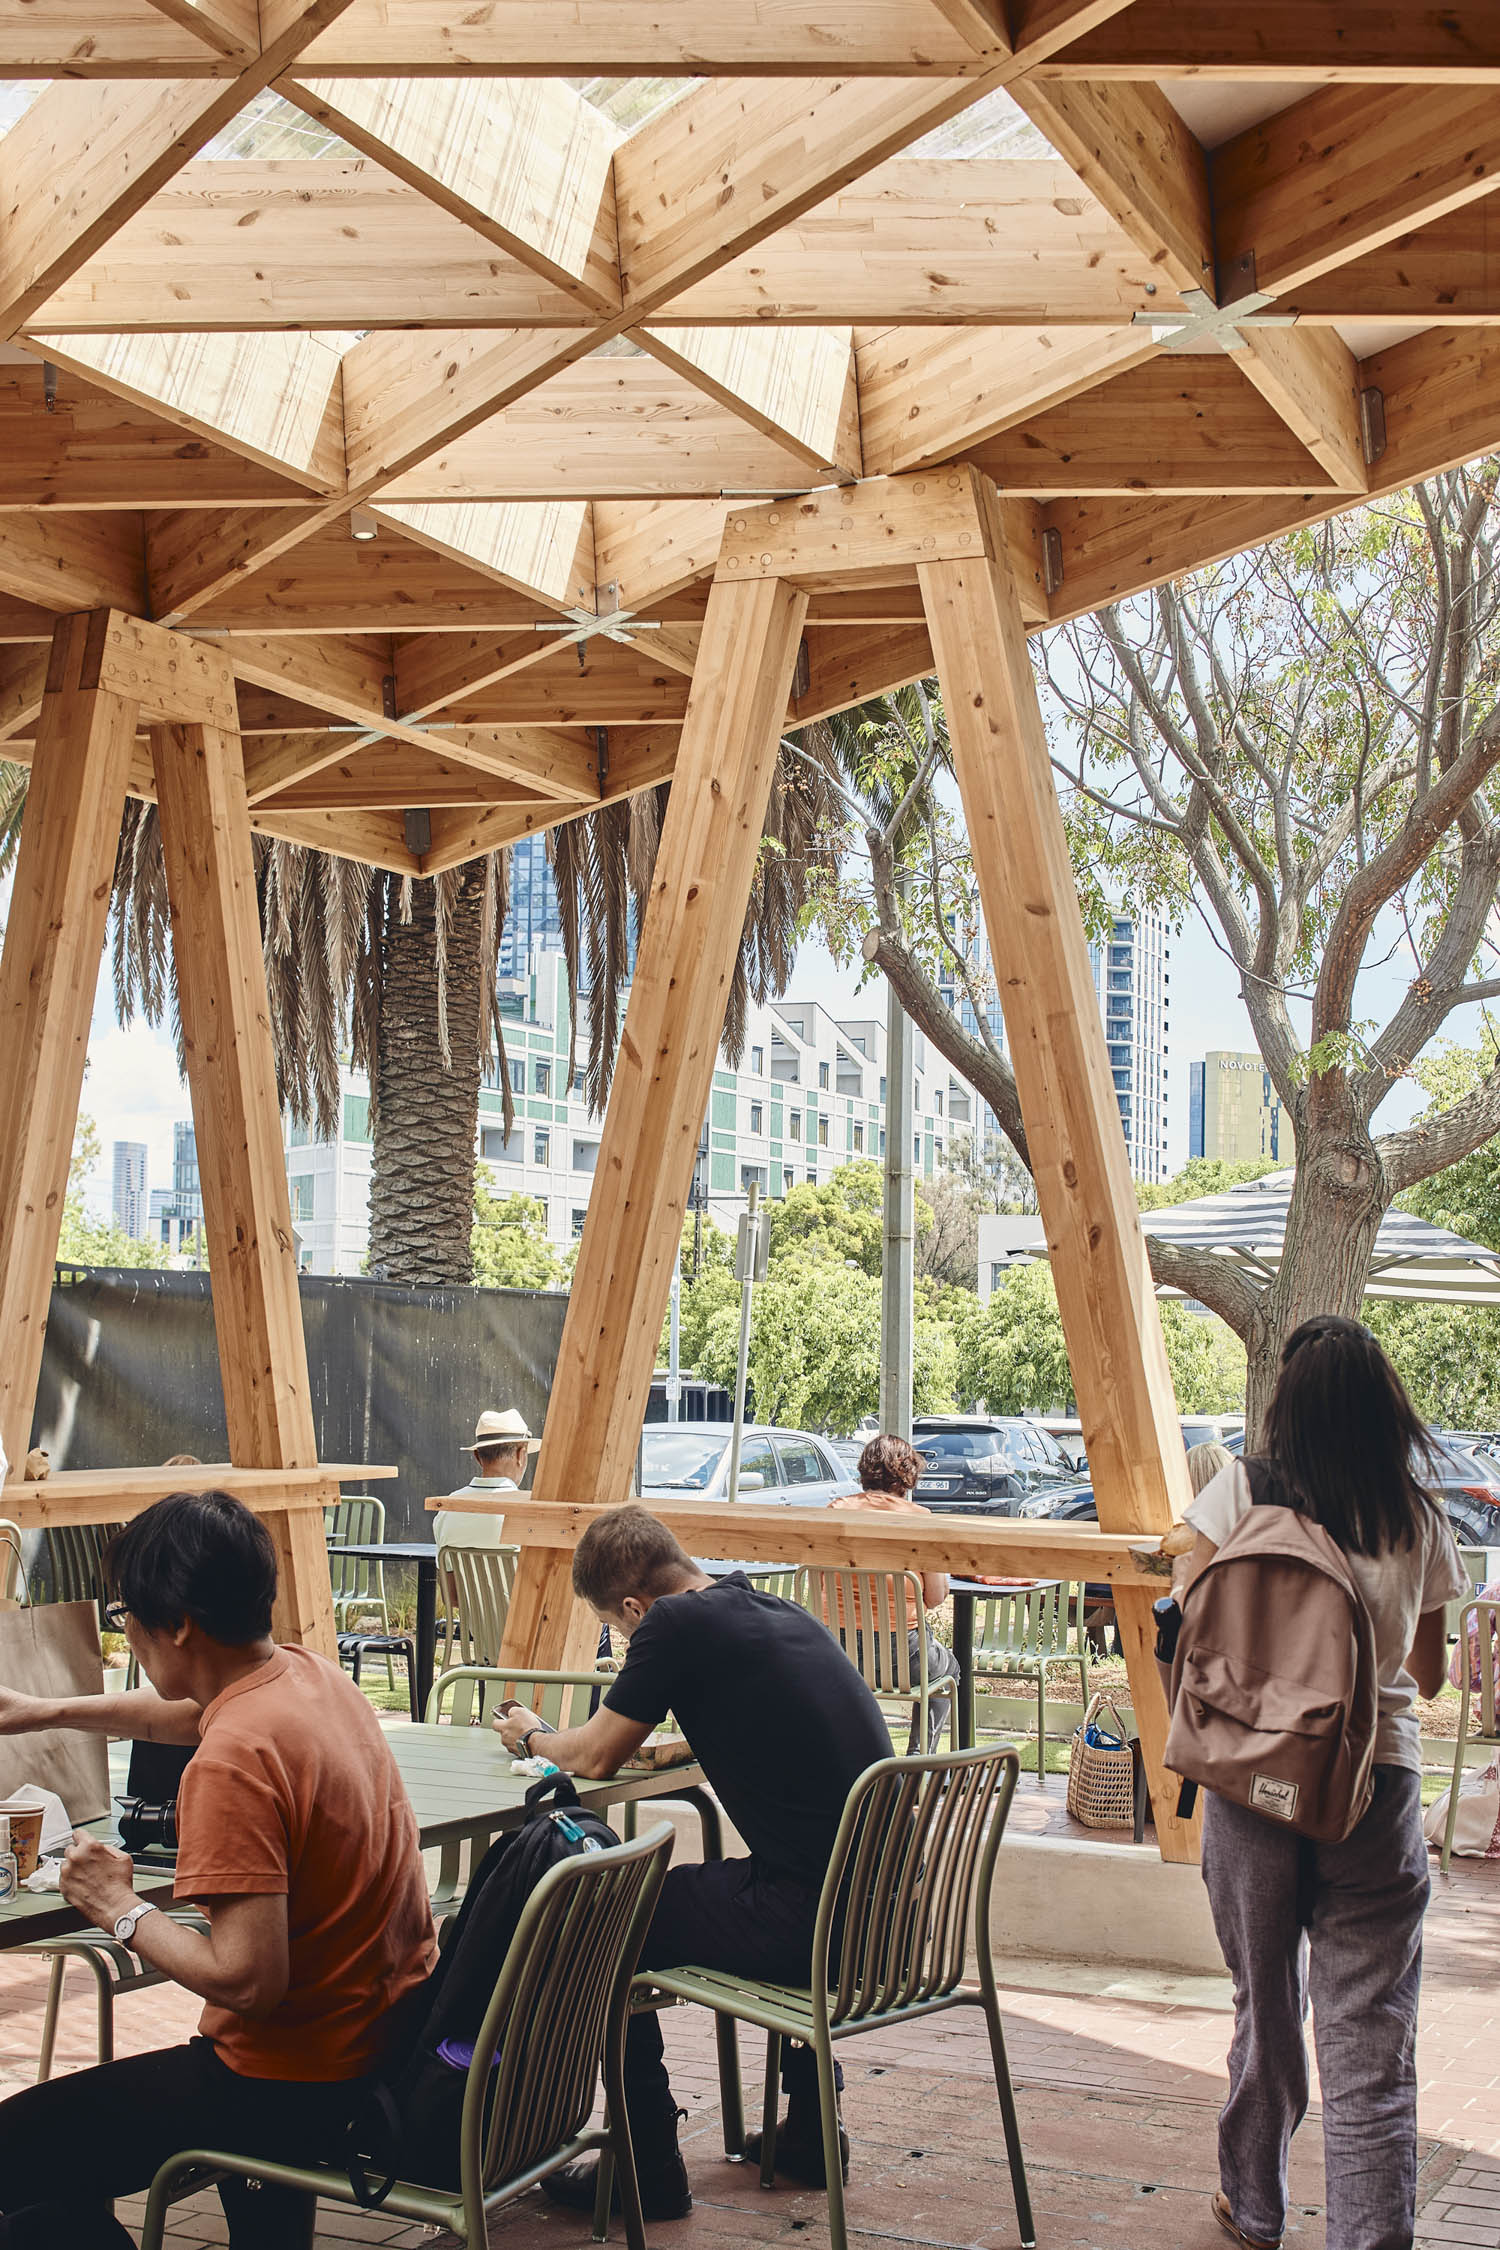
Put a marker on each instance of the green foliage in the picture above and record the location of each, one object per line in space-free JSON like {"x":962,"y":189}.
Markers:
{"x":843,"y":1219}
{"x":1466,"y":1196}
{"x":511,"y":1249}
{"x":1448,"y":1356}
{"x":1201,"y":1175}
{"x":1011,"y":1353}
{"x":814,"y":1343}
{"x":83,"y":1241}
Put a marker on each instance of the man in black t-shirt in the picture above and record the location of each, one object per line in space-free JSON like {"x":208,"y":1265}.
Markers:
{"x":783,"y":1726}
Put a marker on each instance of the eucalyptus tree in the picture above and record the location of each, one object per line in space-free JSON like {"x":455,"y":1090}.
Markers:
{"x":1297,"y":748}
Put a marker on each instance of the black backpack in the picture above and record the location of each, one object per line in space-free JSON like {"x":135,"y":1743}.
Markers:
{"x":406,"y":2127}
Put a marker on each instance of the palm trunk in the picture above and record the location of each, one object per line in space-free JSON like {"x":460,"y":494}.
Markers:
{"x":425,"y":1113}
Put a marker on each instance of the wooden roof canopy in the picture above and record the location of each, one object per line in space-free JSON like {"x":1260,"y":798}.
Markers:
{"x":1238,"y":275}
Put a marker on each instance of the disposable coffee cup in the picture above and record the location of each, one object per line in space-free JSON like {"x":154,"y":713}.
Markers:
{"x":26,"y":1839}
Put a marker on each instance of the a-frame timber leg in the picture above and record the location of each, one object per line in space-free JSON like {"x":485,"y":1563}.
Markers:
{"x":704,"y":868}
{"x":54,"y":939}
{"x":221,"y":984}
{"x":946,"y":526}
{"x":1078,"y":1159}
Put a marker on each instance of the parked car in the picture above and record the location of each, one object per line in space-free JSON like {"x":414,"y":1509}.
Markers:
{"x":847,"y":1450}
{"x":1468,"y":1484}
{"x":986,"y":1464}
{"x":789,"y":1466}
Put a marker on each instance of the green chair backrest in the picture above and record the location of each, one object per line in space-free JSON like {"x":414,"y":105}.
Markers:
{"x":868,"y":1613}
{"x":565,"y":1981}
{"x":470,"y":1691}
{"x":1032,"y":1621}
{"x":480,"y":1579}
{"x":73,"y":1551}
{"x":915,"y":1857}
{"x":12,"y":1569}
{"x":1478,"y":1658}
{"x":358,"y":1520}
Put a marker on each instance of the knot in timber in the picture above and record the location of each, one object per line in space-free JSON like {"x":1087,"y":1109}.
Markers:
{"x":1070,"y":1172}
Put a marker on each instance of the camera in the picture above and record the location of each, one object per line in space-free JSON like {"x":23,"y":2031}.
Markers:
{"x":145,"y":1827}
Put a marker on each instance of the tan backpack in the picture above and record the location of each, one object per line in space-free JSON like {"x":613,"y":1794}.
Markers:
{"x":1274,"y":1686}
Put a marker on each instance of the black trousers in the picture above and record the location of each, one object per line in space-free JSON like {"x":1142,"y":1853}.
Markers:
{"x":68,"y":2148}
{"x":728,"y":1914}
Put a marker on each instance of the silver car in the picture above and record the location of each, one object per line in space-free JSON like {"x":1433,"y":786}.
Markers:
{"x":791,"y":1467}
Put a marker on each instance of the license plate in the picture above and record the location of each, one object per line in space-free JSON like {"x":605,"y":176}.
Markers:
{"x":939,"y":1484}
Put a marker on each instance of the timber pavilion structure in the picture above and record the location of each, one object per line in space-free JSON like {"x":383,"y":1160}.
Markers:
{"x":547,"y":437}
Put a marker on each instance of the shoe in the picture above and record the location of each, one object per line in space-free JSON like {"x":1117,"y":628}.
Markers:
{"x":799,"y":2154}
{"x":1237,"y":2233}
{"x":665,"y":2193}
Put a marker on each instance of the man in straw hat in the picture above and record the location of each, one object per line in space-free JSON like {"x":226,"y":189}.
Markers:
{"x":501,"y":1444}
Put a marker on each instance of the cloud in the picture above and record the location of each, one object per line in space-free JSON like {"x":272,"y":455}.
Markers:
{"x":133,"y":1092}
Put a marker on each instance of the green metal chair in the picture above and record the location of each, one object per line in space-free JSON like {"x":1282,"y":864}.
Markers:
{"x":358,"y":1520}
{"x":914,"y":1866}
{"x":868,"y":1613}
{"x":74,"y":1552}
{"x":114,"y":1968}
{"x":1478,"y":1659}
{"x":466,"y":1697}
{"x":1029,"y":1634}
{"x":477,"y":1583}
{"x":12,"y":1569}
{"x":558,"y":2008}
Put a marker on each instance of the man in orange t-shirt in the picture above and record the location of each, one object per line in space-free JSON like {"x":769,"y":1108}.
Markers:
{"x":295,"y":1837}
{"x":888,"y":1468}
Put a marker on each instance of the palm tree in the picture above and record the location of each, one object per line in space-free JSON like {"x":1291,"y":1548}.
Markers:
{"x":399,"y":975}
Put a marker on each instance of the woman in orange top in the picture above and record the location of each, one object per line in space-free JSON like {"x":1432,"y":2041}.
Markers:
{"x":888,"y":1468}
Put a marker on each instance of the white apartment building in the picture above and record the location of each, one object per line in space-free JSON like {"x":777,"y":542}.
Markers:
{"x":1133,"y":978}
{"x":809,"y":1096}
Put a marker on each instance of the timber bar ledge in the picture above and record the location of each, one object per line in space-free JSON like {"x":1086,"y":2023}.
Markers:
{"x":107,"y":1495}
{"x":847,"y":1538}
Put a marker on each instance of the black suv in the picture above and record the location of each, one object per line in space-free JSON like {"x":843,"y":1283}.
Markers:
{"x":986,"y":1464}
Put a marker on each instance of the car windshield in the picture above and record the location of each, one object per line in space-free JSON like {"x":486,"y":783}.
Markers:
{"x":960,"y":1445}
{"x":684,"y":1458}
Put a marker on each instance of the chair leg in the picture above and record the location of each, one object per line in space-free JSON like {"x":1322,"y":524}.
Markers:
{"x":105,"y":1999}
{"x":617,"y":2157}
{"x":768,"y":2110}
{"x":731,"y":2093}
{"x":49,"y":2020}
{"x":1010,"y":2121}
{"x":1041,"y":1726}
{"x":411,"y":1682}
{"x":356,"y":1658}
{"x":828,"y":2107}
{"x":1458,"y":1773}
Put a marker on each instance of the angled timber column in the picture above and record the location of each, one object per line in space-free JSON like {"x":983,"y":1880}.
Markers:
{"x":53,"y":943}
{"x":221,"y":983}
{"x":704,"y":868}
{"x":1056,"y":1040}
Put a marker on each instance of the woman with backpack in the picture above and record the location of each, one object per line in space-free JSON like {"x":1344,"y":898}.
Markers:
{"x":1336,"y":1922}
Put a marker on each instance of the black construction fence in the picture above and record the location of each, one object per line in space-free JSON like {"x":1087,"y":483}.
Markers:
{"x":130,"y":1374}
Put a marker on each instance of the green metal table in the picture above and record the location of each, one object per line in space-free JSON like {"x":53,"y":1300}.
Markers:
{"x":461,"y":1788}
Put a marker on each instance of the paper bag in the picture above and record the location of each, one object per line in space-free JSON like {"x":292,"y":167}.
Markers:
{"x":53,"y":1650}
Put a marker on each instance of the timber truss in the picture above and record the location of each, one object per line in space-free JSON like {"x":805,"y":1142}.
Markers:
{"x":436,"y":432}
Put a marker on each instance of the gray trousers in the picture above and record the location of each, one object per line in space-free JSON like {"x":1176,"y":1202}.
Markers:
{"x":942,"y":1667}
{"x":1341,"y":1925}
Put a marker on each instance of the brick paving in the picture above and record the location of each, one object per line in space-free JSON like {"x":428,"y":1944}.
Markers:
{"x":1117,"y":2099}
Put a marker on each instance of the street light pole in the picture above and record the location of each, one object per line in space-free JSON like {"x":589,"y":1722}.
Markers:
{"x":897,"y":1268}
{"x":749,"y":1267}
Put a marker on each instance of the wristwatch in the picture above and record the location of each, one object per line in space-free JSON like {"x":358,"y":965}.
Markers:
{"x":125,"y":1928}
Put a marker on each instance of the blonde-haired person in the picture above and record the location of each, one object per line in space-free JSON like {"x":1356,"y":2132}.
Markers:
{"x":1205,"y":1462}
{"x":888,"y":1468}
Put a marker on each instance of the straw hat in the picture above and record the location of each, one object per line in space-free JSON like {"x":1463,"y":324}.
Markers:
{"x":505,"y":1428}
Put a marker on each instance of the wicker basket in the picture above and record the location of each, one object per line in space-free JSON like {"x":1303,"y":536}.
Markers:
{"x":1101,"y":1775}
